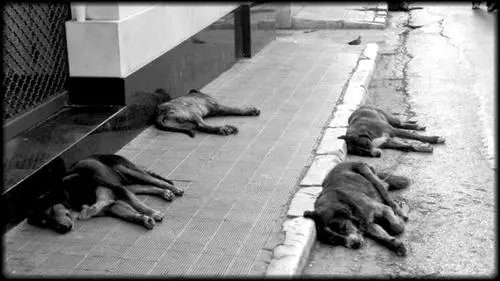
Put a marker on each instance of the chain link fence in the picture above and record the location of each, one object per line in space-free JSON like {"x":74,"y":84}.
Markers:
{"x":35,"y":63}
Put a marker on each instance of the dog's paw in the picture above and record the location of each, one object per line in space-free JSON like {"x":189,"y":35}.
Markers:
{"x":87,"y":212}
{"x":253,"y":111}
{"x":400,"y":248}
{"x":439,"y":140}
{"x":423,"y":147}
{"x":148,"y":222}
{"x":376,"y":152}
{"x":228,"y":130}
{"x":168,"y":195}
{"x":404,"y":209}
{"x":178,"y":192}
{"x":157,"y":216}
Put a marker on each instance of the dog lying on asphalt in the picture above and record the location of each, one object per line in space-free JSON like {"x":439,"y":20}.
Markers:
{"x":370,"y":129}
{"x":101,"y":185}
{"x":355,"y":202}
{"x":185,"y":114}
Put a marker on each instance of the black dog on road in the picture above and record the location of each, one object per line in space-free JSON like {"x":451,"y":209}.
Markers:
{"x":370,"y":129}
{"x":101,"y":185}
{"x":185,"y":114}
{"x":354,"y":202}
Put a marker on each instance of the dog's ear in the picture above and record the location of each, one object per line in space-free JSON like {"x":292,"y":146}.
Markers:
{"x":342,"y":137}
{"x":161,"y":91}
{"x":311,"y":214}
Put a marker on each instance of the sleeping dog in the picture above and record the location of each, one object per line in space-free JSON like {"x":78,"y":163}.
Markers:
{"x":370,"y":129}
{"x":101,"y":185}
{"x":354,"y":202}
{"x":185,"y":114}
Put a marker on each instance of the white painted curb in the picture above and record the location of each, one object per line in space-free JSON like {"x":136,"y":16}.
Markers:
{"x":290,"y":257}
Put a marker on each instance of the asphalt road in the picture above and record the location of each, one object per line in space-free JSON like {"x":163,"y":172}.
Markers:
{"x":442,"y":75}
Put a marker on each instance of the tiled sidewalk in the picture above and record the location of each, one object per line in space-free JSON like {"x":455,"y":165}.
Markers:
{"x":366,"y":15}
{"x":236,"y":186}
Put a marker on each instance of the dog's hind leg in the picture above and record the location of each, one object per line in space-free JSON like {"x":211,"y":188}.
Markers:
{"x":414,"y":136}
{"x":124,"y":211}
{"x":410,"y":125}
{"x":140,"y":176}
{"x":223,"y":110}
{"x":151,"y":190}
{"x":366,"y":171}
{"x":376,"y":232}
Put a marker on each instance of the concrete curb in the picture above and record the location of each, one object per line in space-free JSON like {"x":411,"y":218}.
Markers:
{"x":290,"y":257}
{"x":378,"y":22}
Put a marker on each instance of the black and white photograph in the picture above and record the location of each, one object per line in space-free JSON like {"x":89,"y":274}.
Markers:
{"x":249,"y":139}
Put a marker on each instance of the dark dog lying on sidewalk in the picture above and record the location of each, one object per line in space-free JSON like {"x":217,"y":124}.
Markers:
{"x":101,"y":185}
{"x":370,"y":129}
{"x":355,"y":202}
{"x":185,"y":114}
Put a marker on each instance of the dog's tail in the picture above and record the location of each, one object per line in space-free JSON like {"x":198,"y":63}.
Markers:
{"x":394,"y":181}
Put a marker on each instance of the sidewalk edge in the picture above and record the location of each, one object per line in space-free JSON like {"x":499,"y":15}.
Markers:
{"x":290,"y":257}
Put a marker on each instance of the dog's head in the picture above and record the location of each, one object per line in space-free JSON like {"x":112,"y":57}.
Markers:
{"x":360,"y":145}
{"x":338,"y":227}
{"x":52,"y":210}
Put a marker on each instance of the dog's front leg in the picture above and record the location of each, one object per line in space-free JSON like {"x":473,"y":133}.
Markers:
{"x":105,"y":199}
{"x":130,"y":198}
{"x":124,"y":211}
{"x":218,"y":130}
{"x":377,"y":232}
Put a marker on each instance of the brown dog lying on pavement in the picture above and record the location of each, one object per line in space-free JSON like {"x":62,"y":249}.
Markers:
{"x":102,"y":185}
{"x":370,"y":129}
{"x":354,"y":201}
{"x":185,"y":114}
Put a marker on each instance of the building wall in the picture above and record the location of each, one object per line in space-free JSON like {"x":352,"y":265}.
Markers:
{"x":116,"y":40}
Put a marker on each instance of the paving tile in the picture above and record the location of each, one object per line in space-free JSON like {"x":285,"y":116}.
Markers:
{"x":16,"y":271}
{"x":127,"y":267}
{"x":62,"y":260}
{"x":99,"y":262}
{"x":174,"y":263}
{"x":210,"y":264}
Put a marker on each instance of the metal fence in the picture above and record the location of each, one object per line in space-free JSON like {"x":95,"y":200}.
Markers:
{"x":35,"y":63}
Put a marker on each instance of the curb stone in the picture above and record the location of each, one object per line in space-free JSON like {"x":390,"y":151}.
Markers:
{"x":291,"y":256}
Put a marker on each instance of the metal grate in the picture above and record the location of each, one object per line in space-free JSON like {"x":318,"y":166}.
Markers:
{"x":35,"y":64}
